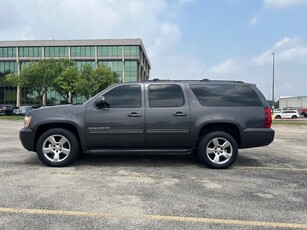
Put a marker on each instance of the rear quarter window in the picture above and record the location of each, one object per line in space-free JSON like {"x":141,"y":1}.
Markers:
{"x":225,"y":95}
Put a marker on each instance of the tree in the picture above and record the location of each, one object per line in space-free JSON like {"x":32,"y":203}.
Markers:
{"x":37,"y":76}
{"x":105,"y":77}
{"x":93,"y":81}
{"x":66,"y":83}
{"x":87,"y":84}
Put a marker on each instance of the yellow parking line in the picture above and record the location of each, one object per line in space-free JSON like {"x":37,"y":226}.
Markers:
{"x":154,"y":217}
{"x":272,"y":168}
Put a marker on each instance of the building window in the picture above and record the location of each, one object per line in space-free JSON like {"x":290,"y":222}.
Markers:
{"x":7,"y":52}
{"x":30,"y":52}
{"x":130,"y":71}
{"x":7,"y":92}
{"x":82,"y":51}
{"x":109,"y":51}
{"x":131,"y":51}
{"x":56,"y":51}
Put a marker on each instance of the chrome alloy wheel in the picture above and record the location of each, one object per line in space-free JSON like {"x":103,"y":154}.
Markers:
{"x":219,"y":150}
{"x":56,"y":148}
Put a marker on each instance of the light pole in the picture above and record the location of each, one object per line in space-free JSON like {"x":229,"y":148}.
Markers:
{"x":273,"y":101}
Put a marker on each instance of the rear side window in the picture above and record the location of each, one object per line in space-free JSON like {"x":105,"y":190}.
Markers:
{"x":165,"y":95}
{"x":225,"y":95}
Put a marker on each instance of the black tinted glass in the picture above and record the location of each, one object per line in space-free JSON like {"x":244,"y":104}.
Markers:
{"x":167,"y":95}
{"x":226,"y":95}
{"x":126,"y":96}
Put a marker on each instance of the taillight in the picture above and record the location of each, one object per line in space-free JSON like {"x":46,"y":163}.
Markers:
{"x":268,"y":117}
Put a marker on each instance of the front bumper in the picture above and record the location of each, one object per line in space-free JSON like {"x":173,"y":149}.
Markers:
{"x":26,"y":137}
{"x":256,"y":137}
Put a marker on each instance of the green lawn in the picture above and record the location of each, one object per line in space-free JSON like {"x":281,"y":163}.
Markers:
{"x":281,"y":122}
{"x":2,"y":117}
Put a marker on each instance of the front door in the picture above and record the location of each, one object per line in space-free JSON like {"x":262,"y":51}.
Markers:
{"x":120,"y":123}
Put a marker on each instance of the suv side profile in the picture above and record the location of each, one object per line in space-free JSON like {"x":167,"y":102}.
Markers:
{"x":293,"y":114}
{"x":212,"y":118}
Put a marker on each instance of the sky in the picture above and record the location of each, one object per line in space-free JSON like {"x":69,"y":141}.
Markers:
{"x":184,"y":39}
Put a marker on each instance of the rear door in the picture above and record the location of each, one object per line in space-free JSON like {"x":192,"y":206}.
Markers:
{"x":167,"y":115}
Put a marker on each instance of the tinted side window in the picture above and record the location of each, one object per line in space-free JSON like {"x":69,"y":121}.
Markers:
{"x":225,"y":95}
{"x":165,"y":95}
{"x":126,"y":96}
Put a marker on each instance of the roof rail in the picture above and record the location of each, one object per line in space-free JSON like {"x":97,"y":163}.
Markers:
{"x":155,"y":79}
{"x":205,"y":80}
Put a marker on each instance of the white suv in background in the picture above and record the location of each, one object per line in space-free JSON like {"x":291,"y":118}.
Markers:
{"x":293,"y":114}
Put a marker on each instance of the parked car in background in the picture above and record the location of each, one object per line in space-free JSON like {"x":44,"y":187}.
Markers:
{"x":7,"y":109}
{"x":303,"y":112}
{"x":293,"y":114}
{"x":277,"y":111}
{"x":24,"y":109}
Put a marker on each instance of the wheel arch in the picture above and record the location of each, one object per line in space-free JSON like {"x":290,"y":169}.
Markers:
{"x":227,"y":127}
{"x":44,"y":127}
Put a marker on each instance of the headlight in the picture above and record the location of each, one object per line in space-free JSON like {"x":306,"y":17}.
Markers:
{"x":26,"y":121}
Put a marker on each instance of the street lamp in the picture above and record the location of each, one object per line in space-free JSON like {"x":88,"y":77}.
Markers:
{"x":273,"y":101}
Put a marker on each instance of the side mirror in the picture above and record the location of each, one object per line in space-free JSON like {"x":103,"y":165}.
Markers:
{"x":101,"y":102}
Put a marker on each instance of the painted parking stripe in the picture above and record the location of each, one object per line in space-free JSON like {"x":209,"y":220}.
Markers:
{"x":154,"y":217}
{"x":272,"y":168}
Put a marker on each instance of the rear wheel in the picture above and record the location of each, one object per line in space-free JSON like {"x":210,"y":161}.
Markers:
{"x":218,"y":150}
{"x":294,"y":117}
{"x":57,"y":147}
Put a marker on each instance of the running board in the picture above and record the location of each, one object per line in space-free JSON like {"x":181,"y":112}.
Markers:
{"x":112,"y":150}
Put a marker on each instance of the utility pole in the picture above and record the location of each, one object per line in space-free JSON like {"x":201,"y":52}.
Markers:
{"x":273,"y":96}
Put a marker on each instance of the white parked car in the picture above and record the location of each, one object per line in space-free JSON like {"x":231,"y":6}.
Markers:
{"x":293,"y":114}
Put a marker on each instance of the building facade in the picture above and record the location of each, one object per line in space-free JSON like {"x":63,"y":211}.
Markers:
{"x":126,"y":57}
{"x":293,"y":102}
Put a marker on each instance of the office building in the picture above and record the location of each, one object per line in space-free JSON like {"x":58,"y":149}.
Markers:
{"x":126,"y":57}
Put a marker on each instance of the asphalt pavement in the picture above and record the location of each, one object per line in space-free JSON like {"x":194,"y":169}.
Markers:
{"x":265,"y":189}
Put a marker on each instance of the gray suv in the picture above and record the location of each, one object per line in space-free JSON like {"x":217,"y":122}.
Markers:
{"x":211,"y":118}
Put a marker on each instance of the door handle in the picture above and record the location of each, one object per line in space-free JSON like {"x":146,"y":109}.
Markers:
{"x":134,"y":114}
{"x":180,"y":114}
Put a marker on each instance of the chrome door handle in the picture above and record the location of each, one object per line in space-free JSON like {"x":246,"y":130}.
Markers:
{"x":180,"y":114}
{"x":134,"y":114}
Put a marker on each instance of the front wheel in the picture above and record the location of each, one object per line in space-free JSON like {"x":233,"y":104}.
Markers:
{"x":218,"y":150}
{"x":57,"y":147}
{"x":294,"y":117}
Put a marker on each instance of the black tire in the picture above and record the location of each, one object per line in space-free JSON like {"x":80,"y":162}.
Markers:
{"x":294,"y":117}
{"x":278,"y":117}
{"x":224,"y":156}
{"x":61,"y":147}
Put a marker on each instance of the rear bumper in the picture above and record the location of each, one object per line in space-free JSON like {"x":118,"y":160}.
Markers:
{"x":256,"y":137}
{"x":26,"y":137}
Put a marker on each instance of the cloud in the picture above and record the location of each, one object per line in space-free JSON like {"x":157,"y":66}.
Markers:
{"x":286,"y":50}
{"x":253,"y":21}
{"x":184,"y":2}
{"x":277,"y":4}
{"x":227,"y":67}
{"x":178,"y":67}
